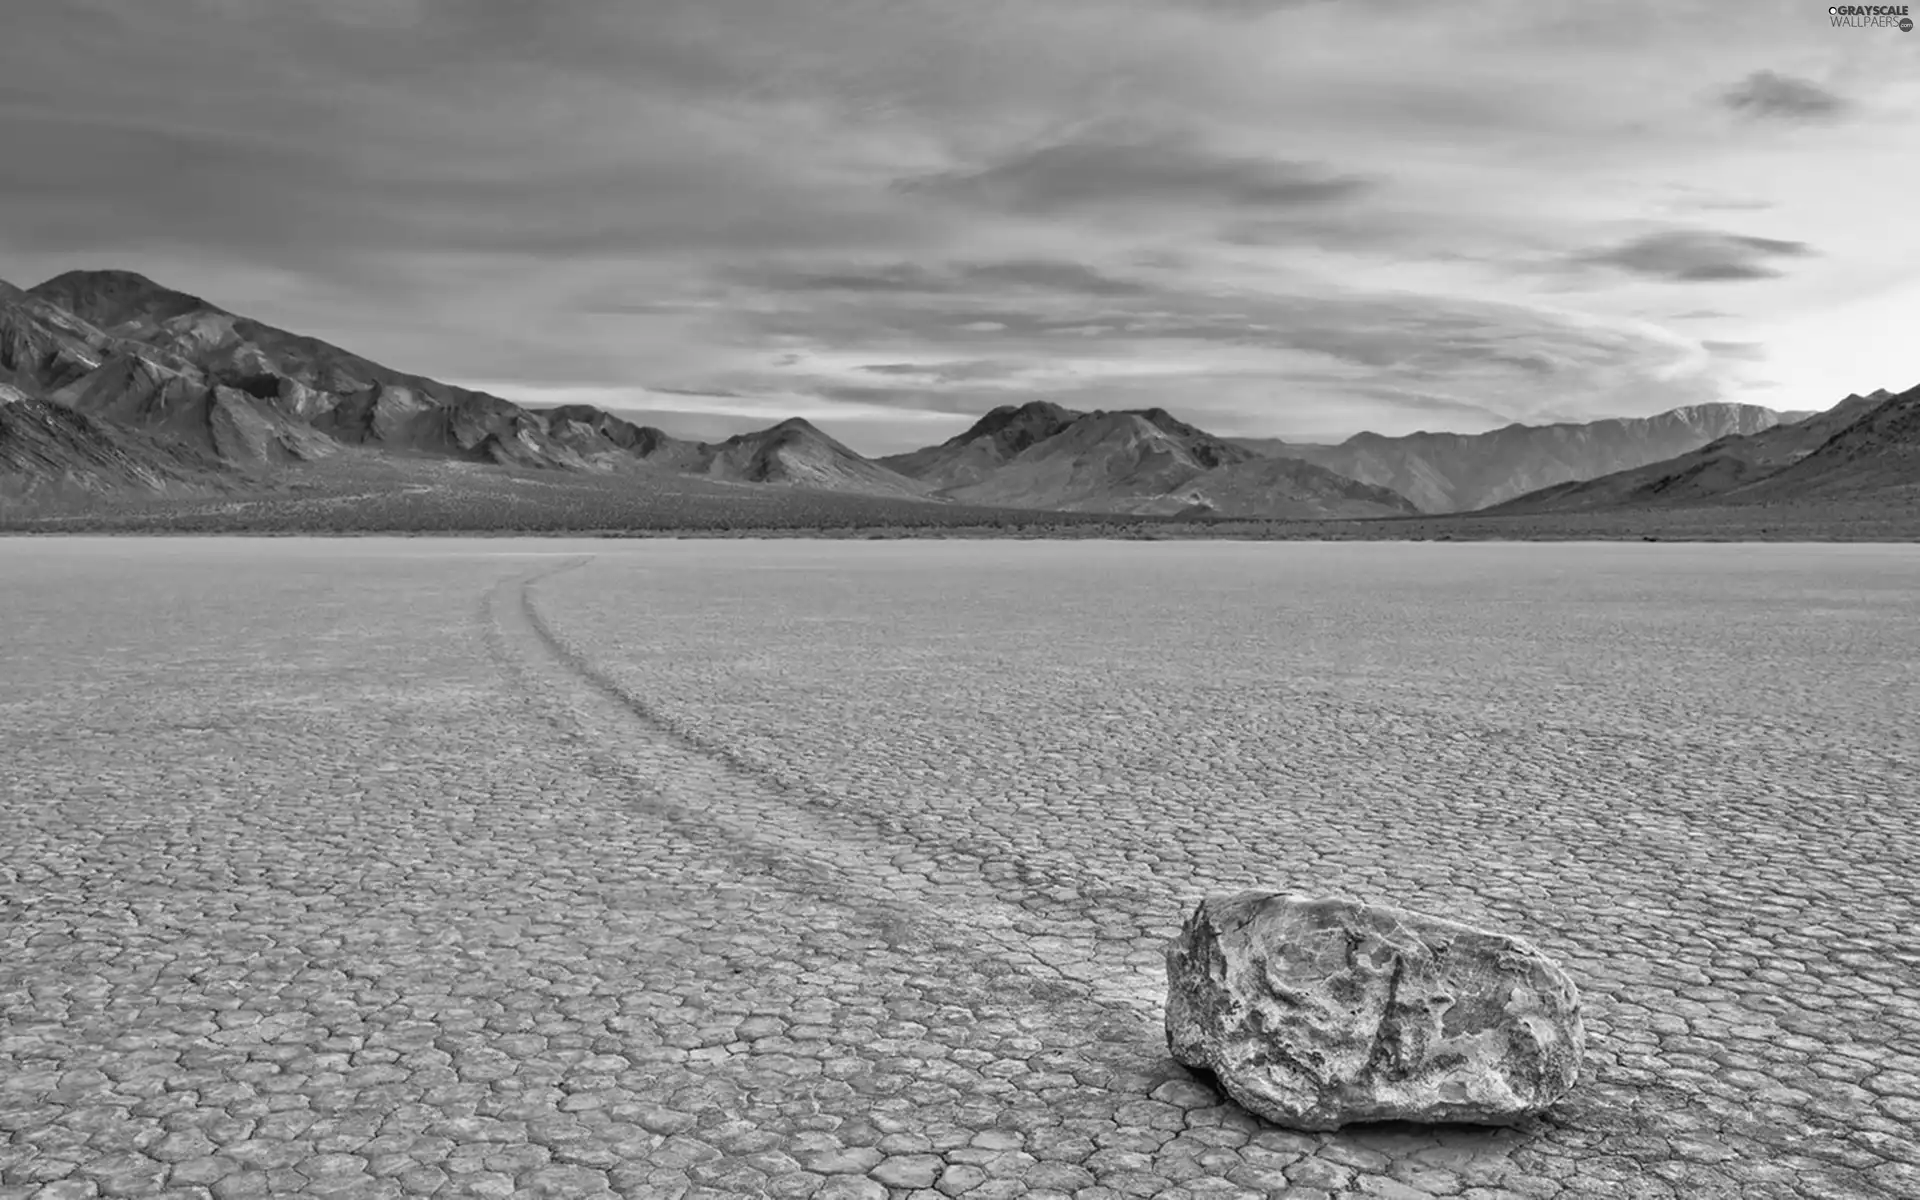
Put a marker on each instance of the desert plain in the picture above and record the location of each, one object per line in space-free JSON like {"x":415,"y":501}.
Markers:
{"x":370,"y":867}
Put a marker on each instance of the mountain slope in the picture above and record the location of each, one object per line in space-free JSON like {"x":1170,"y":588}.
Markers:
{"x":51,"y":451}
{"x":794,"y":452}
{"x":1288,"y":488}
{"x":42,"y":346}
{"x":50,"y":352}
{"x":586,"y":428}
{"x":1101,"y":459}
{"x":279,"y":387}
{"x":1857,"y":449}
{"x":1040,"y":455}
{"x":1875,"y":458}
{"x":987,"y":446}
{"x":1452,"y":472}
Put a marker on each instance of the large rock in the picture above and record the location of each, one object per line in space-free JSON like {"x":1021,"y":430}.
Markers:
{"x":1315,"y":1013}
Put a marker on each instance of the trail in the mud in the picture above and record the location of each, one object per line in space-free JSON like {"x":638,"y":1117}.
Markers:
{"x":891,"y":870}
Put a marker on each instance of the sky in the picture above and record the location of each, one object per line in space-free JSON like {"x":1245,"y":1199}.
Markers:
{"x":1292,"y":218}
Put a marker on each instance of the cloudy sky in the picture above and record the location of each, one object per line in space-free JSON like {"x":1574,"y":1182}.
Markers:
{"x":1278,"y":217}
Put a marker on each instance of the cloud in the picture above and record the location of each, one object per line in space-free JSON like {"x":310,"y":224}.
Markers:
{"x":1771,"y":95}
{"x":1433,"y":405}
{"x":906,"y":278}
{"x":1685,"y":199}
{"x":891,"y":277}
{"x":711,"y":393}
{"x":1107,"y":170}
{"x":1739,"y":351}
{"x":1276,"y":213}
{"x":905,"y":398}
{"x":947,"y":372}
{"x":1238,"y":350}
{"x":1698,"y":256}
{"x":1054,"y":275}
{"x":1243,"y":8}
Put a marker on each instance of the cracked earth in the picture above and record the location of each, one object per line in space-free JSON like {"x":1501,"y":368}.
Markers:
{"x":843,"y":870}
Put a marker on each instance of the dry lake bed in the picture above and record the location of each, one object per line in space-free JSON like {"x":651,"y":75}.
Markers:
{"x":825,"y":869}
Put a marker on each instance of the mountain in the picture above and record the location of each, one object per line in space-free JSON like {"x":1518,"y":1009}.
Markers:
{"x":1040,"y":455}
{"x":112,"y":383}
{"x":177,"y":372}
{"x":52,"y":353}
{"x":50,"y":451}
{"x":1864,"y":448}
{"x":197,"y":371}
{"x":1290,"y":487}
{"x":985,"y":447}
{"x":794,"y":452}
{"x":1454,"y":472}
{"x":1875,"y":458}
{"x":1098,"y":458}
{"x":581,"y":423}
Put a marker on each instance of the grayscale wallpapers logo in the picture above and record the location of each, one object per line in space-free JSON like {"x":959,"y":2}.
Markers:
{"x":1872,"y":16}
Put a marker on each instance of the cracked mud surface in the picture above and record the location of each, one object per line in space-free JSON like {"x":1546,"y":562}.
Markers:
{"x":397,"y":868}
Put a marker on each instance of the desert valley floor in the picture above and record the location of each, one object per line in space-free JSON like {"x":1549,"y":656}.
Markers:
{"x":822,"y":869}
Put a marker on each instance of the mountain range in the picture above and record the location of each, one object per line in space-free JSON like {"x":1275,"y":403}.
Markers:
{"x":1457,"y":472}
{"x":1864,"y":448}
{"x":112,"y":383}
{"x":122,"y":382}
{"x":1040,"y":455}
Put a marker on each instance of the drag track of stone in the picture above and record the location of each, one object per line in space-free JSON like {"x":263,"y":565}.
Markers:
{"x":893,"y":868}
{"x":693,"y":870}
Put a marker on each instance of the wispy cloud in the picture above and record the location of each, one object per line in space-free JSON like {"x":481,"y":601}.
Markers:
{"x":1699,"y":256}
{"x":1772,"y":95}
{"x":916,"y":278}
{"x":947,"y":372}
{"x":1114,"y":170}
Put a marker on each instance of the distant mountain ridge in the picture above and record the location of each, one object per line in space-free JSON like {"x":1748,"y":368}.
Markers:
{"x":1866,"y":448}
{"x":110,"y":382}
{"x":1455,"y":472}
{"x":237,"y":397}
{"x":165,"y":372}
{"x":1040,"y":455}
